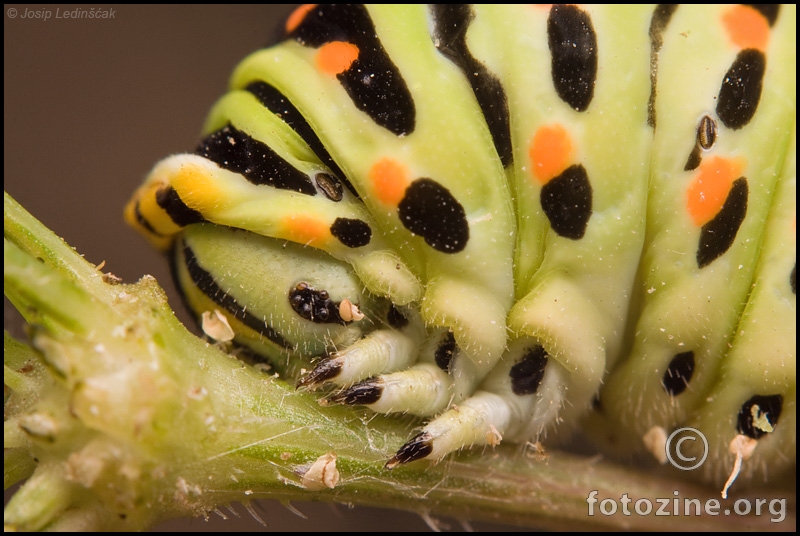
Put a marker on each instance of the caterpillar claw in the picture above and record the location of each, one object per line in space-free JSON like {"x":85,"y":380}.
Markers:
{"x":417,"y":448}
{"x":361,"y":394}
{"x":326,"y":370}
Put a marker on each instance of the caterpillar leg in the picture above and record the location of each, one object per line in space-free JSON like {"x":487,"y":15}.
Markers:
{"x":296,"y":304}
{"x":550,"y":373}
{"x":442,"y":376}
{"x":518,"y":401}
{"x":382,"y":351}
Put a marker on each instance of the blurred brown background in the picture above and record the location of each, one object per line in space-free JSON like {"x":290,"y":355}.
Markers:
{"x":89,"y":106}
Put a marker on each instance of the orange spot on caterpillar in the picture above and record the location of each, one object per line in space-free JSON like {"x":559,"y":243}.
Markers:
{"x":200,"y":189}
{"x":298,"y":16}
{"x":746,"y":27}
{"x":550,"y":152}
{"x":306,"y":230}
{"x":336,"y":57}
{"x":389,"y":180}
{"x":709,"y":189}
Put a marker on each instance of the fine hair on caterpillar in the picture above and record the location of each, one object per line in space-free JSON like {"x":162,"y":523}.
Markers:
{"x":509,"y":220}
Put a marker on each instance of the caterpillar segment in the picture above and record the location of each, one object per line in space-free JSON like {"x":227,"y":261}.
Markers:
{"x":705,"y":220}
{"x":410,"y":165}
{"x":573,"y":299}
{"x":754,"y":400}
{"x":511,"y":220}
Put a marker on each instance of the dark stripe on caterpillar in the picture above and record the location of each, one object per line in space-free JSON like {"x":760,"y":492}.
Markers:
{"x":141,"y":220}
{"x":717,"y":236}
{"x":759,"y":406}
{"x":451,"y":22}
{"x":527,"y":375}
{"x":445,"y":351}
{"x":567,"y":202}
{"x":679,"y":373}
{"x":351,"y":232}
{"x":237,"y":151}
{"x":277,"y":103}
{"x":206,"y":284}
{"x":372,"y":81}
{"x":661,"y":17}
{"x":573,"y":45}
{"x":168,"y":199}
{"x":740,"y":92}
{"x":430,"y":210}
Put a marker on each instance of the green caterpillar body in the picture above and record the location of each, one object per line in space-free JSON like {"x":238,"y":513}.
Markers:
{"x":512,"y":219}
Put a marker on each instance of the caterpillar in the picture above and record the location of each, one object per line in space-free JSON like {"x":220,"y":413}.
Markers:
{"x":514,"y":221}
